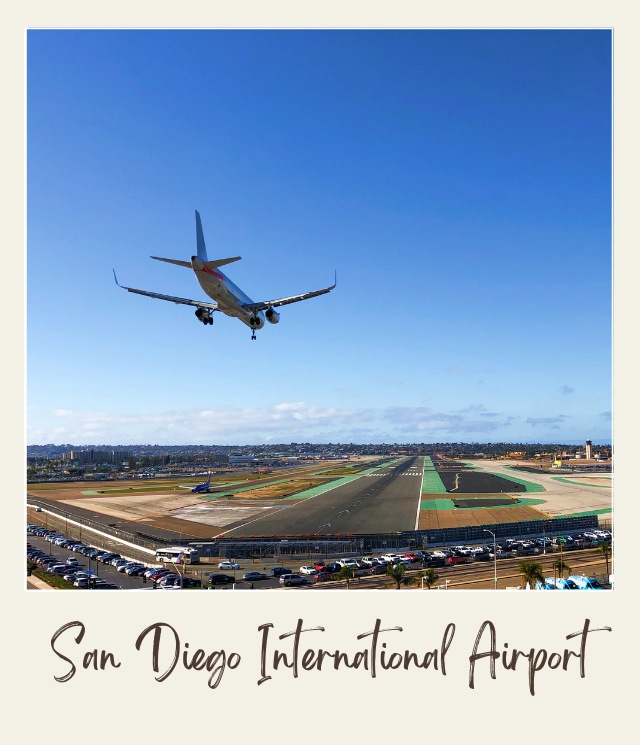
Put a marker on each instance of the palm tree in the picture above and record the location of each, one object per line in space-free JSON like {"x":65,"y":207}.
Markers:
{"x":429,"y":577}
{"x":346,"y":573}
{"x":561,"y":566}
{"x":605,"y":550}
{"x":531,"y":572}
{"x":396,"y":576}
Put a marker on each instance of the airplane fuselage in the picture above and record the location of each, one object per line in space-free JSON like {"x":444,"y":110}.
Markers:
{"x":227,"y":295}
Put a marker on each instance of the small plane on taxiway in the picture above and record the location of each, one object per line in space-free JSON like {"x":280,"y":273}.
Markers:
{"x":228,"y":297}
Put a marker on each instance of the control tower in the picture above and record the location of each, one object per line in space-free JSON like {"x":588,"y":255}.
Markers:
{"x":587,"y":449}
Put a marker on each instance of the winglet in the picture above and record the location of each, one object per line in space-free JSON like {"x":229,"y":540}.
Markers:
{"x":116,"y":279}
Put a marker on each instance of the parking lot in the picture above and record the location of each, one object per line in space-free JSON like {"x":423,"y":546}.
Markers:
{"x":458,"y":567}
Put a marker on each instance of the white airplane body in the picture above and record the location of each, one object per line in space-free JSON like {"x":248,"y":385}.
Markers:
{"x":229,"y":299}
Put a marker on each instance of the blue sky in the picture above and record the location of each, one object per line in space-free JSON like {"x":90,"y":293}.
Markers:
{"x":458,"y":181}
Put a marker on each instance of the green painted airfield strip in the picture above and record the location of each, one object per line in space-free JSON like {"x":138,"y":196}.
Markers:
{"x":431,"y":482}
{"x":579,"y":483}
{"x":589,"y":512}
{"x":437,"y":504}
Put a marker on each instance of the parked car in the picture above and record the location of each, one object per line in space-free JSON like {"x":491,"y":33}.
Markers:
{"x":442,"y":552}
{"x":221,"y":579}
{"x":289,"y":580}
{"x":333,"y":567}
{"x":347,"y":563}
{"x":377,"y":569}
{"x":169,"y":579}
{"x":191,"y":582}
{"x":158,"y":575}
{"x":254,"y":576}
{"x":228,"y":565}
{"x":308,"y":570}
{"x":152,"y":570}
{"x":413,"y":557}
{"x":586,"y":583}
{"x":134,"y":567}
{"x":322,"y":576}
{"x":456,"y":559}
{"x":58,"y":569}
{"x":561,"y":584}
{"x":431,"y":560}
{"x":278,"y":571}
{"x":137,"y":571}
{"x":484,"y":556}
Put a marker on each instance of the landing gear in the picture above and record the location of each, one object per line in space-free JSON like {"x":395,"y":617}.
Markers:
{"x":256,"y":323}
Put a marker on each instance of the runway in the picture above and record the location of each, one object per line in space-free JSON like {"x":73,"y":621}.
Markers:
{"x":382,"y":502}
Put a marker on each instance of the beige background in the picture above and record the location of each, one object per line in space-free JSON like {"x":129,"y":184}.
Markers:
{"x":128,"y":703}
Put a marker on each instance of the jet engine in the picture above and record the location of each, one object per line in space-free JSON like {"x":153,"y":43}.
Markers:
{"x":272,"y":316}
{"x":204,"y":316}
{"x":257,"y":322}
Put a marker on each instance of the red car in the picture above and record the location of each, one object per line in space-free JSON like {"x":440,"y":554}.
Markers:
{"x":319,"y":566}
{"x":157,"y":575}
{"x":455,"y":559}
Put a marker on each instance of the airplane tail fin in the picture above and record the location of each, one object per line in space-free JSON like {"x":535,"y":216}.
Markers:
{"x":202,"y":249}
{"x":202,"y":252}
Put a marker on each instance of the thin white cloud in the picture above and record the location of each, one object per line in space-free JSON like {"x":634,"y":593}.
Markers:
{"x":286,"y":421}
{"x":547,"y":421}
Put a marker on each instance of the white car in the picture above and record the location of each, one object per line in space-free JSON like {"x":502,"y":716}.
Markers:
{"x":228,"y":565}
{"x":348,"y":563}
{"x":308,"y":570}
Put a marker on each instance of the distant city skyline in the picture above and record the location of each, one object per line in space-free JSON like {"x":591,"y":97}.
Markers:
{"x":307,"y":445}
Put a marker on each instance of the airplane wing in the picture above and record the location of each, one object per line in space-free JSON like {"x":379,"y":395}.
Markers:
{"x":265,"y":304}
{"x":170,"y":298}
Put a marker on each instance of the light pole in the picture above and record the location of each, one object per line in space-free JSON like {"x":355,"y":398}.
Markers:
{"x":495,"y":559}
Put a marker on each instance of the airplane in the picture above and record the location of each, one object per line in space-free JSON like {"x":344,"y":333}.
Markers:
{"x":229,"y":299}
{"x":204,"y":488}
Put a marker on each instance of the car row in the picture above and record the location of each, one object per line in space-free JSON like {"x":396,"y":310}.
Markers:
{"x":70,"y":570}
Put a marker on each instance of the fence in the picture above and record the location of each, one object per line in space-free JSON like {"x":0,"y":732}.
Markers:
{"x":334,"y":545}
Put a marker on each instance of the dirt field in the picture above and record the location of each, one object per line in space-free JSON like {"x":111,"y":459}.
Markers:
{"x":461,"y":518}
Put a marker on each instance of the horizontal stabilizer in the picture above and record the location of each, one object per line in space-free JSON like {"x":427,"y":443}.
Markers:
{"x":219,"y":262}
{"x":173,"y":261}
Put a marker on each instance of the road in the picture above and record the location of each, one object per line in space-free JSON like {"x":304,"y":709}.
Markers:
{"x":385,"y":501}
